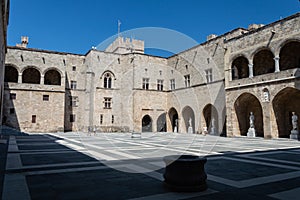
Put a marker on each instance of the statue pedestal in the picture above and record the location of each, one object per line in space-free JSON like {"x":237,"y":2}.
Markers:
{"x":213,"y":131}
{"x":190,"y":130}
{"x":294,"y":134}
{"x":175,"y":129}
{"x":251,"y":132}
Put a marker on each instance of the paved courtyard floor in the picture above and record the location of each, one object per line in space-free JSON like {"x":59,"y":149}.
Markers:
{"x":117,"y":166}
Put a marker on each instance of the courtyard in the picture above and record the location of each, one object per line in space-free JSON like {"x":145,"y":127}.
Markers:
{"x":77,"y":165}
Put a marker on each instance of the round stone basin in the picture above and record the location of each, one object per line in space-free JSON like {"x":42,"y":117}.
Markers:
{"x":185,"y":173}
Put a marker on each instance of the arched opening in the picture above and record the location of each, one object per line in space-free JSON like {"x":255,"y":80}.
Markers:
{"x":161,"y":123}
{"x":245,"y":104}
{"x":146,"y":124}
{"x":52,"y":77}
{"x":11,"y":74}
{"x":289,"y":56}
{"x":263,"y":62}
{"x":173,"y":115}
{"x":210,"y":114}
{"x":189,"y":118}
{"x":107,"y":80}
{"x":240,"y":68}
{"x":285,"y":102}
{"x":31,"y":75}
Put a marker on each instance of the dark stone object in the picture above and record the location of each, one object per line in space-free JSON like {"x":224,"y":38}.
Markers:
{"x":185,"y":173}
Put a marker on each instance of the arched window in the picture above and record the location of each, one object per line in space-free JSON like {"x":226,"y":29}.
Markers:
{"x":31,"y":75}
{"x":289,"y":56}
{"x":263,"y":62}
{"x":11,"y":74}
{"x":240,"y":68}
{"x":107,"y":80}
{"x":52,"y":77}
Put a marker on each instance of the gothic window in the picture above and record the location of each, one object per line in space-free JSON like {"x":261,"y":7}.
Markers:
{"x":73,"y":85}
{"x":172,"y":84}
{"x":107,"y":80}
{"x":145,"y":83}
{"x":160,"y":85}
{"x":208,"y":74}
{"x":107,"y":102}
{"x":187,"y":80}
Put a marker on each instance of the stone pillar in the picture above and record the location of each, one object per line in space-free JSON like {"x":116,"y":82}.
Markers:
{"x":277,"y":67}
{"x":250,"y":65}
{"x":20,"y":78}
{"x":42,"y":80}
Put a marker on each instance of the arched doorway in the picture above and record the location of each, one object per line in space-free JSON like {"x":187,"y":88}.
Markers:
{"x":31,"y":75}
{"x":289,"y":56}
{"x":263,"y":62}
{"x":188,"y":117}
{"x":245,"y":104}
{"x":210,"y":114}
{"x":146,"y":124}
{"x":161,"y":123}
{"x":173,"y":115}
{"x":11,"y":74}
{"x":285,"y":102}
{"x":52,"y":77}
{"x":240,"y":68}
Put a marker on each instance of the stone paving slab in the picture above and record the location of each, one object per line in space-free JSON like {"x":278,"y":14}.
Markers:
{"x":115,"y":166}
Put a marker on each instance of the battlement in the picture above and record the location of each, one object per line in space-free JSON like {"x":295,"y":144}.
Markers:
{"x":126,"y":45}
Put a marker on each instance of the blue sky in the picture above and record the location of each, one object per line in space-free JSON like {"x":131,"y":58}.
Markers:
{"x":76,"y":25}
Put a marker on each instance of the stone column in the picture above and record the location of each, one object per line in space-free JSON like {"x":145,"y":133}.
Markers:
{"x":250,"y":65}
{"x":277,"y":67}
{"x":20,"y":78}
{"x":42,"y":80}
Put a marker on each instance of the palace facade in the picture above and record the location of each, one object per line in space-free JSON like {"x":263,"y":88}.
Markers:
{"x":211,"y":87}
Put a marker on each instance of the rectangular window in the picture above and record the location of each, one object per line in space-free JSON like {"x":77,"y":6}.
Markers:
{"x":172,"y":84}
{"x":72,"y":118}
{"x":45,"y":97}
{"x":12,"y":96}
{"x":160,"y":85}
{"x":107,"y":103}
{"x":74,"y":68}
{"x":11,"y":111}
{"x":33,"y":119}
{"x":73,"y":85}
{"x":112,"y":119}
{"x":145,"y":83}
{"x":208,"y":74}
{"x":73,"y":101}
{"x":101,"y":119}
{"x":187,"y":80}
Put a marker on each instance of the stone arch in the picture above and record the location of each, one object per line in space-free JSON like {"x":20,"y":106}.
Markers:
{"x":284,"y":103}
{"x":289,"y":55}
{"x":210,"y":115}
{"x":146,"y":124}
{"x":263,"y":62}
{"x":245,"y":104}
{"x":188,"y":114}
{"x":161,"y":123}
{"x":11,"y":74}
{"x":173,"y":115}
{"x":108,"y":77}
{"x":240,"y":68}
{"x":52,"y":77}
{"x":31,"y":75}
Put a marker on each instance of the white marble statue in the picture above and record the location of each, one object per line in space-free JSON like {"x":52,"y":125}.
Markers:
{"x":251,"y":118}
{"x":294,"y":121}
